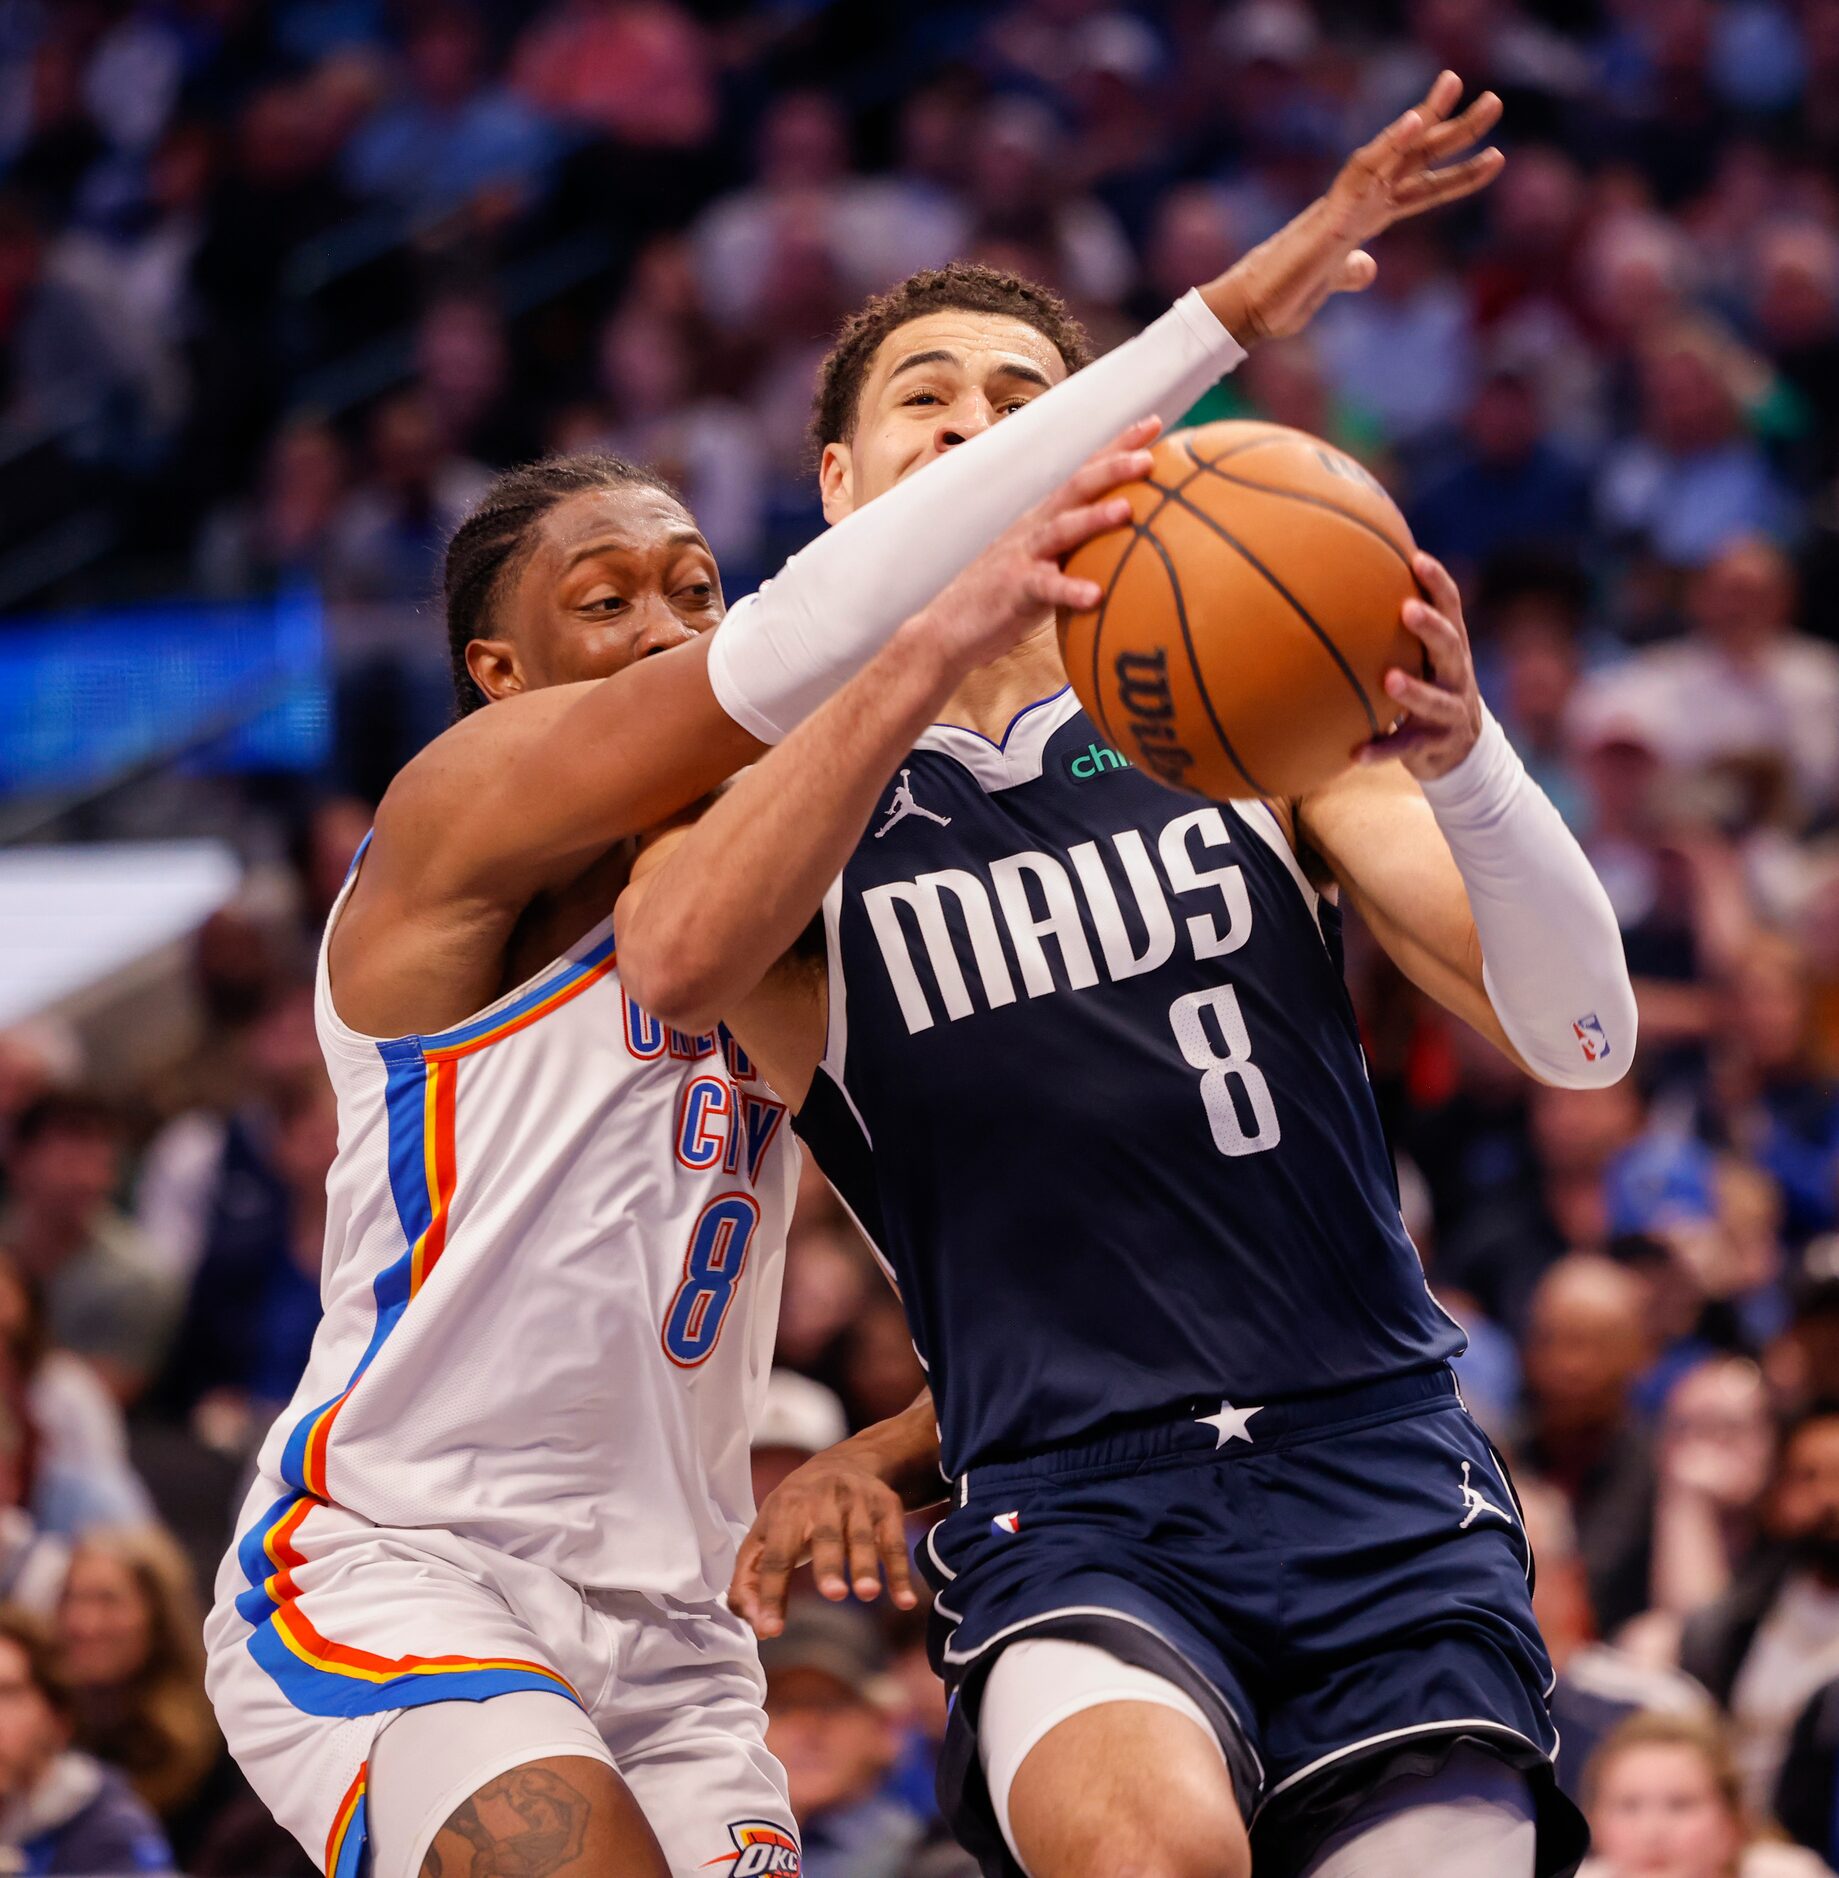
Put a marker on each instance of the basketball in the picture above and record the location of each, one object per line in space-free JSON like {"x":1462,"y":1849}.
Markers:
{"x":1250,"y":613}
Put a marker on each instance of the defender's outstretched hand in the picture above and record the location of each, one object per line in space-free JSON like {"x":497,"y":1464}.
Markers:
{"x":1279,"y":286}
{"x":846,"y":1520}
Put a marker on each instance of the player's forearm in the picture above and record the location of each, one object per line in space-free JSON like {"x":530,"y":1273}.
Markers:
{"x":1552,"y":954}
{"x":903,"y":1453}
{"x":567,"y":771}
{"x":701,"y":931}
{"x":782,"y":651}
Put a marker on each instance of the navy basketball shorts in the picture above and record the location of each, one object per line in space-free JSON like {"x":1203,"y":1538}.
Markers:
{"x":1343,"y":1584}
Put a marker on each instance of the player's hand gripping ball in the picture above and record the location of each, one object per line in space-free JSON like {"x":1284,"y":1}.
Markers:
{"x":1250,"y":614}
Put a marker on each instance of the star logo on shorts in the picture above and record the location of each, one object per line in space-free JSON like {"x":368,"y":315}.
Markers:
{"x":1230,"y":1423}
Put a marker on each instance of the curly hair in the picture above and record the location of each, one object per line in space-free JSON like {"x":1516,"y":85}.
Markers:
{"x":498,"y":533}
{"x":963,"y":286}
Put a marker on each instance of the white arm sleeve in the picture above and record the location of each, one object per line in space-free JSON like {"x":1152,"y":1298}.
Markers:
{"x":1551,"y":952}
{"x":782,"y":651}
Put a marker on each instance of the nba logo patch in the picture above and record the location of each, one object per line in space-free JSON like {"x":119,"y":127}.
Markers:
{"x":1590,"y":1038}
{"x":761,"y":1848}
{"x":1007,"y":1522}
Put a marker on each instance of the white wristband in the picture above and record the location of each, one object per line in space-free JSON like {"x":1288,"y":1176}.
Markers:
{"x":781,"y":652}
{"x":1552,"y":958}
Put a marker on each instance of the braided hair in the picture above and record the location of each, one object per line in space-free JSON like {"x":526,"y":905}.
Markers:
{"x":499,"y":532}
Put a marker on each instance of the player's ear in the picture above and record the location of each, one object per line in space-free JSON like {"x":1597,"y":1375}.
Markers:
{"x":494,"y":668}
{"x":836,"y":481}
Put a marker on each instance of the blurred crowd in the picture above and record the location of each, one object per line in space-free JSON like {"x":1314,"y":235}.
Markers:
{"x":283,"y":281}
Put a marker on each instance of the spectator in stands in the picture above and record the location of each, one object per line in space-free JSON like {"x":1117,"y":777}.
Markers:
{"x":1692,"y":478}
{"x":874,"y":230}
{"x":57,"y":142}
{"x":129,"y":1629}
{"x":1744,"y":687}
{"x":1506,"y":487}
{"x":800,"y":1418}
{"x":386,"y":542}
{"x":463,"y":358}
{"x":1772,"y":1641}
{"x":1019,"y":192}
{"x":828,"y":1720}
{"x":32,"y":1563}
{"x":660,"y":415}
{"x":60,"y":1810}
{"x":1498,"y":1251}
{"x":255,"y":1298}
{"x":281,"y":536}
{"x":207,"y":1162}
{"x":1768,"y":1095}
{"x":1586,"y":1342}
{"x":1403,"y":351}
{"x":81,"y":1473}
{"x":1598,"y":1685}
{"x":1807,"y":1794}
{"x":60,"y":371}
{"x":1715,"y":1456}
{"x":1795,"y":301}
{"x":880,"y":1372}
{"x":105,"y":1297}
{"x":638,"y":71}
{"x":450,"y":132}
{"x":1664,"y":1800}
{"x":36,"y":1058}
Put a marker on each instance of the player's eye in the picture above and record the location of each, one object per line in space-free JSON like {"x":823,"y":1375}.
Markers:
{"x":605,"y":603}
{"x":921,"y":397}
{"x":701,"y":591}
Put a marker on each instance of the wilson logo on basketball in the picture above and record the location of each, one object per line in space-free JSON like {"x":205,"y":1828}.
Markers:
{"x":1250,"y":611}
{"x":1149,"y":715}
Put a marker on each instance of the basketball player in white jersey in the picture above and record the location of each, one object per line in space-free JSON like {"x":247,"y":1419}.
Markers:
{"x":472,"y":1621}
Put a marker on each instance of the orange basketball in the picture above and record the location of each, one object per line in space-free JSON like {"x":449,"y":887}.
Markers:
{"x":1250,"y":613}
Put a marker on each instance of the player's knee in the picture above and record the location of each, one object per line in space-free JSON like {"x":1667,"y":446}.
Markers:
{"x":566,"y":1816}
{"x":1154,"y":1845}
{"x":1138,"y":1791}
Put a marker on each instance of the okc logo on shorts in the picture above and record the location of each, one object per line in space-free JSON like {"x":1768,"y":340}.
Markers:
{"x":761,"y":1848}
{"x":1590,"y":1037}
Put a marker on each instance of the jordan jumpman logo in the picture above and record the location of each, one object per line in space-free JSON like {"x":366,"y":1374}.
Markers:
{"x":902,"y":805}
{"x":1477,"y":1503}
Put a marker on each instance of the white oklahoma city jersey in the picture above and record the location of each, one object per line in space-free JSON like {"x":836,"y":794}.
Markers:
{"x":554,"y":1246}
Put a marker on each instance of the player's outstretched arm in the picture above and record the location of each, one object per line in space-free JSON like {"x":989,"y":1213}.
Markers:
{"x":782,"y":651}
{"x":705,"y":919}
{"x":519,"y":797}
{"x":1466,"y":874}
{"x":844,"y":1510}
{"x":1416,"y":163}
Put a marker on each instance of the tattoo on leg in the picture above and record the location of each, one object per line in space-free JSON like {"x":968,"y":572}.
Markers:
{"x":528,"y":1823}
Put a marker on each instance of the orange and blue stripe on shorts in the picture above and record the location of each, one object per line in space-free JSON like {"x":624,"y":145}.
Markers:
{"x":345,"y":1842}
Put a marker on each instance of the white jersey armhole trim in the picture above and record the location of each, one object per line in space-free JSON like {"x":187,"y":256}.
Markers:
{"x":360,"y":1045}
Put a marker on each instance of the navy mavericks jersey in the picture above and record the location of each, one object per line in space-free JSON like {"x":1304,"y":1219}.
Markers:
{"x":1093,"y":1088}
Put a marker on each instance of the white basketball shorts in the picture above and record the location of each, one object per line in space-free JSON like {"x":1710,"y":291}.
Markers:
{"x":326,"y":1628}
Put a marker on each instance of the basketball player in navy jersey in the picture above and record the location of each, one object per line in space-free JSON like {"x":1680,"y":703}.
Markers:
{"x":1227,"y":1562}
